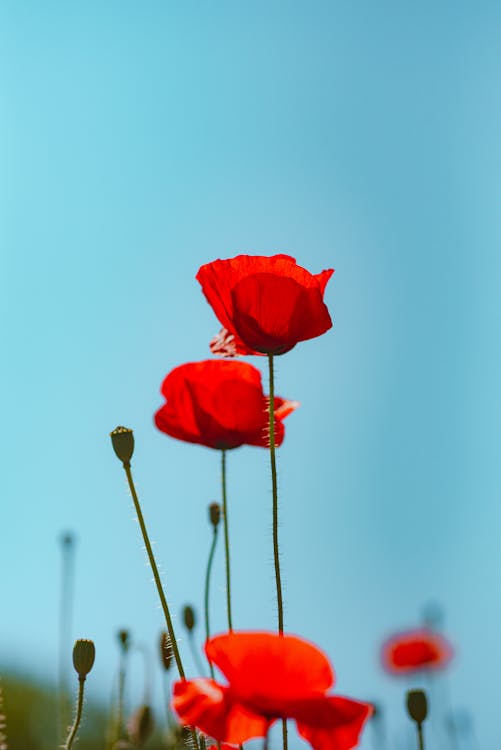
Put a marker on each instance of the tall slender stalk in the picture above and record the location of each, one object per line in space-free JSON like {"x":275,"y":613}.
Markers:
{"x":226,"y":539}
{"x":207,"y":591}
{"x":122,"y":440}
{"x":65,"y":616}
{"x":156,"y":575}
{"x":274,"y":487}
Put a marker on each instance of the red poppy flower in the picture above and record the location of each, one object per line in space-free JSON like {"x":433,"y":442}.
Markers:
{"x":266,"y":304}
{"x":269,"y":677}
{"x":416,"y":650}
{"x":220,"y":404}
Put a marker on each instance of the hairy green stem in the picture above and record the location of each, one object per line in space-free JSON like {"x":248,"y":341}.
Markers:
{"x":156,"y":576}
{"x":226,"y":539}
{"x":207,"y":591}
{"x":76,"y":723}
{"x":274,"y":487}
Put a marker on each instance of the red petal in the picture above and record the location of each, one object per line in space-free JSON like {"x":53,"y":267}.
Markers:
{"x":208,"y":706}
{"x":332,"y":723}
{"x":268,"y":304}
{"x":272,"y":313}
{"x":265,"y":670}
{"x":415,"y":650}
{"x":216,"y":403}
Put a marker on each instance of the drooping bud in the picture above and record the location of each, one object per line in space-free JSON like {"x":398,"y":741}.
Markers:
{"x":189,"y":617}
{"x":122,"y":439}
{"x":215,"y":514}
{"x":84,"y":653}
{"x":417,"y":705}
{"x":141,"y":725}
{"x":165,"y":650}
{"x":124,"y":640}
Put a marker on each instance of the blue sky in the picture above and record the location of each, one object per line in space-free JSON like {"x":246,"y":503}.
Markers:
{"x":139,"y":141}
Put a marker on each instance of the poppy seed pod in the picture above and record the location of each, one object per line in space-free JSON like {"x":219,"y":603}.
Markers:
{"x":165,"y":650}
{"x":215,"y":514}
{"x":189,"y":617}
{"x":84,"y":653}
{"x":122,"y":439}
{"x":417,"y":705}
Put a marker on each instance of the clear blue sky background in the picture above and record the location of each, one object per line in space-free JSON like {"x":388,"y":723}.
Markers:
{"x":140,"y":140}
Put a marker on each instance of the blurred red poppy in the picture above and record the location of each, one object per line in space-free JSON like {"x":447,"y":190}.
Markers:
{"x":266,"y":304}
{"x":269,"y":677}
{"x":220,"y":404}
{"x":416,"y":650}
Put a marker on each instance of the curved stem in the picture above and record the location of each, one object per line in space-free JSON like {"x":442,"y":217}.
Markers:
{"x":156,"y":576}
{"x":274,"y":487}
{"x":207,"y":591}
{"x":76,"y":723}
{"x":226,"y":539}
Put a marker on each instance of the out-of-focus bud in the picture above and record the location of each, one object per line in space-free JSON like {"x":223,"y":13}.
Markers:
{"x":165,"y":650}
{"x":122,"y":440}
{"x":84,"y":653}
{"x":215,"y":514}
{"x":67,"y":539}
{"x":124,"y":640}
{"x":189,"y":617}
{"x":417,"y":705}
{"x":141,"y":725}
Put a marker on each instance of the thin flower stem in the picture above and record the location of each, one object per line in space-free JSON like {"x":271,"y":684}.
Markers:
{"x":121,"y":691}
{"x":76,"y":724}
{"x":274,"y":486}
{"x":226,"y":539}
{"x":156,"y":575}
{"x":420,"y":737}
{"x":207,"y":591}
{"x":67,"y":578}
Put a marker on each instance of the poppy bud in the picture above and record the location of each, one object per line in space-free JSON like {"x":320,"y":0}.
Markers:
{"x":189,"y":617}
{"x":122,"y":440}
{"x":124,"y":640}
{"x":214,"y":514}
{"x":417,"y":705}
{"x":165,"y":650}
{"x":84,"y":654}
{"x":141,"y":725}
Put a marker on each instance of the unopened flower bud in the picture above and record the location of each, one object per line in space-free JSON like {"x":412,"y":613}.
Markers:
{"x":417,"y":705}
{"x":214,"y":514}
{"x":124,"y":640}
{"x":67,"y":539}
{"x":84,"y":654}
{"x":141,"y":725}
{"x":122,"y":440}
{"x":165,"y":650}
{"x":189,"y":617}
